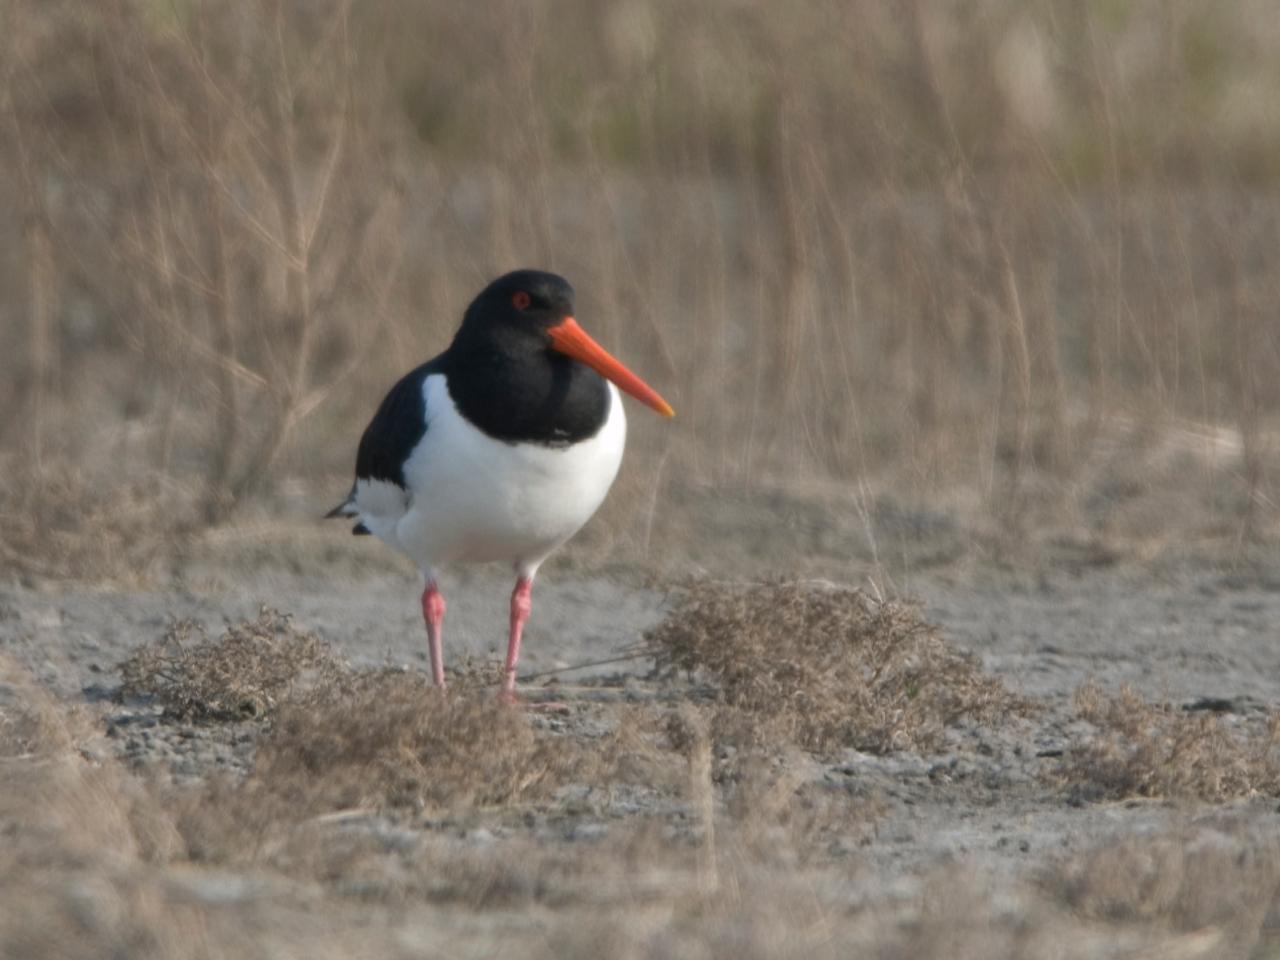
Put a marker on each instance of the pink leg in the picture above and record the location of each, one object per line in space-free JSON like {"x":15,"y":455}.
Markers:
{"x":433,"y":613}
{"x":521,"y":604}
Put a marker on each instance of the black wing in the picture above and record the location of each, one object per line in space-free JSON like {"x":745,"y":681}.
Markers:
{"x":397,"y":427}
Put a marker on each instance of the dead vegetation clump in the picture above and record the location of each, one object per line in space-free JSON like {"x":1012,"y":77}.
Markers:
{"x":368,"y":745}
{"x":388,"y":738}
{"x":1145,"y":749}
{"x":825,"y":666}
{"x":342,"y":738}
{"x":243,"y":675}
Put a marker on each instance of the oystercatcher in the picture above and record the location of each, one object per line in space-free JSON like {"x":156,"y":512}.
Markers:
{"x":500,"y":448}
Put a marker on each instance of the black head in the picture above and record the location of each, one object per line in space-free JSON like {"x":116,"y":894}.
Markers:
{"x":530,"y":300}
{"x":520,"y":360}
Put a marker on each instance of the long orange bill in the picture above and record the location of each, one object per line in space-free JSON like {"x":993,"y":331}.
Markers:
{"x":570,"y":339}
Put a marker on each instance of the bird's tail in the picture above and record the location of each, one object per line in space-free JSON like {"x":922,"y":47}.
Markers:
{"x":347,"y":508}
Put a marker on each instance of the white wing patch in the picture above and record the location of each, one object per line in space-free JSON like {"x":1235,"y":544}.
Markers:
{"x":380,"y":505}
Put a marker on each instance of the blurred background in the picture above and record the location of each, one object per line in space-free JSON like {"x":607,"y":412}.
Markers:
{"x":927,"y":282}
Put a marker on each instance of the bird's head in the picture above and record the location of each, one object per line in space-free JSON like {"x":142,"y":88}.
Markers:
{"x":533,"y":306}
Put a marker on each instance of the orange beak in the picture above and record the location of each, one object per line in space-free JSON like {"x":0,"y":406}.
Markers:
{"x":570,"y":339}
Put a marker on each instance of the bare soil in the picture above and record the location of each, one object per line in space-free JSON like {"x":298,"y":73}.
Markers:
{"x":880,"y":845}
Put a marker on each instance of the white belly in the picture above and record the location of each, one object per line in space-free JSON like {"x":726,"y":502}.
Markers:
{"x":473,"y":498}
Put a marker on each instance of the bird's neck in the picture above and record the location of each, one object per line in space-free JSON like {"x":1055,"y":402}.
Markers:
{"x":516,"y":390}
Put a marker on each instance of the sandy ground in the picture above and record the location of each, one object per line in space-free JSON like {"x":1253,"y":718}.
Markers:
{"x":1197,"y":636}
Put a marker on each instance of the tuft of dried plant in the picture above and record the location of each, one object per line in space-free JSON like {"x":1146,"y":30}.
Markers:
{"x":94,"y":864}
{"x":243,"y":675}
{"x":364,"y":743}
{"x":388,"y":738}
{"x":1145,"y":749}
{"x":824,"y":666}
{"x":340,"y":739}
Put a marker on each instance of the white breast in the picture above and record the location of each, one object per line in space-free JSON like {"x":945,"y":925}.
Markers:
{"x":473,"y":498}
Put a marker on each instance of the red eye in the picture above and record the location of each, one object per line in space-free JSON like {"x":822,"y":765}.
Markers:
{"x":520,"y":300}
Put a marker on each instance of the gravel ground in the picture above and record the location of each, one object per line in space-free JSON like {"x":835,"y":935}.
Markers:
{"x":1207,"y":637}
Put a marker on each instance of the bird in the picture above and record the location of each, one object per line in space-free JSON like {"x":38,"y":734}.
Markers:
{"x":498,"y":449}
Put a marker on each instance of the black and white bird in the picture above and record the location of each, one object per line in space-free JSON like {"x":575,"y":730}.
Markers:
{"x":499,"y":449}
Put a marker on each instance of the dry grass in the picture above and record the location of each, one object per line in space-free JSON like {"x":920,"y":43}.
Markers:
{"x":390,"y":739}
{"x":1013,"y":260}
{"x":1143,"y":749}
{"x":60,"y":522}
{"x":342,"y":743}
{"x":367,"y":748}
{"x":60,"y":793}
{"x":245,"y":674}
{"x":340,"y":738}
{"x":93,"y":863}
{"x":77,"y":836}
{"x":825,"y":666}
{"x":1216,"y":873}
{"x":1194,"y":893}
{"x":99,"y":862}
{"x":384,"y":740}
{"x":939,"y":256}
{"x":1214,"y":882}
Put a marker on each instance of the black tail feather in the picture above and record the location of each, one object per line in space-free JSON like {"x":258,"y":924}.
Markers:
{"x":346,"y":505}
